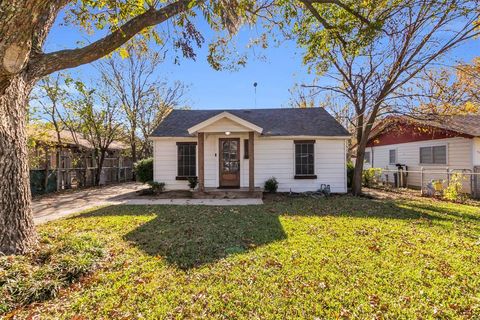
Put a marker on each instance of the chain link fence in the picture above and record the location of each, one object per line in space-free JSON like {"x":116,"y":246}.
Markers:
{"x":431,"y":180}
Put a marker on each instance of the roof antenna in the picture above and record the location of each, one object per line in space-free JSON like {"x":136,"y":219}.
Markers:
{"x":255,"y":89}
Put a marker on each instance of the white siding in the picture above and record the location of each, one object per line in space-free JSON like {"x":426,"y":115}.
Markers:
{"x":476,"y":151}
{"x":273,"y":158}
{"x":459,"y":156}
{"x":367,"y":165}
{"x":224,"y":125}
{"x":165,"y":163}
{"x":276,"y":158}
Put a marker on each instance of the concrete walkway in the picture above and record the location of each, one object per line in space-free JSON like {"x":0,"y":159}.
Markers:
{"x":206,"y":202}
{"x":56,"y":206}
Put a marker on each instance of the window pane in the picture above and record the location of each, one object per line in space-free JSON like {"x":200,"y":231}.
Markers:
{"x":310,"y":169}
{"x":393,"y":156}
{"x":440,"y":155}
{"x":426,"y":155}
{"x":304,"y":159}
{"x":186,"y":160}
{"x":298,"y":168}
{"x":304,"y":148}
{"x":191,"y":171}
{"x":233,"y":146}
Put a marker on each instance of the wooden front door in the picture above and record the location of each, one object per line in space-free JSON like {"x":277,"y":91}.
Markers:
{"x":229,"y":162}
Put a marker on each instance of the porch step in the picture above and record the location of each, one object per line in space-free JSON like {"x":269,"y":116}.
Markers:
{"x":228,"y":194}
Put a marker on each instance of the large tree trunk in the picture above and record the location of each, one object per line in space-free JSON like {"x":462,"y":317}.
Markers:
{"x":24,"y":25}
{"x":360,"y":155}
{"x":17,"y":232}
{"x":47,"y":169}
{"x":100,"y":160}
{"x":362,"y":138}
{"x":134,"y":152}
{"x":133,"y":145}
{"x":357,"y":173}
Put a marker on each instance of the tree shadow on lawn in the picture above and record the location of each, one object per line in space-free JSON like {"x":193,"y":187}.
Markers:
{"x":452,"y":214}
{"x":190,"y":236}
{"x":341,"y":205}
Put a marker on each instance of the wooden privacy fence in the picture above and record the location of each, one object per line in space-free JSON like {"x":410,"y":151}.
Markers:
{"x":85,"y":177}
{"x":68,"y":178}
{"x":422,"y":179}
{"x":65,"y":159}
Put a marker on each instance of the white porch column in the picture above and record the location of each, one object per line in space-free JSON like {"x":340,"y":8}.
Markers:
{"x":201,"y":161}
{"x":251,"y":161}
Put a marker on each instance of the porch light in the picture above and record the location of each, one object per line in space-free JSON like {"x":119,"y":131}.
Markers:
{"x":227,"y":133}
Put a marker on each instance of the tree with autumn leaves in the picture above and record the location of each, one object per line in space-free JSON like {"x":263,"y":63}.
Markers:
{"x":24,"y":27}
{"x":449,"y":90}
{"x":326,"y":29}
{"x":377,"y":73}
{"x":468,"y":76}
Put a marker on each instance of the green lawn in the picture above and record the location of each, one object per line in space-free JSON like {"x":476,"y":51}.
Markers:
{"x":341,"y":257}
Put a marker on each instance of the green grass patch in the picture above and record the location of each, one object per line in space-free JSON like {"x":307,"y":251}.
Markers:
{"x":341,"y":257}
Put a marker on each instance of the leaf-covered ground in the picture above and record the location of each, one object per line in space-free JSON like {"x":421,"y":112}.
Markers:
{"x":341,"y":257}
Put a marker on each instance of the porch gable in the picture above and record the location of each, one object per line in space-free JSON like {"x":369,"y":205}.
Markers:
{"x":224,"y":122}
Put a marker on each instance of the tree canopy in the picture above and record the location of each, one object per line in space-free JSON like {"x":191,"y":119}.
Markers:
{"x":333,"y":33}
{"x":376,"y":76}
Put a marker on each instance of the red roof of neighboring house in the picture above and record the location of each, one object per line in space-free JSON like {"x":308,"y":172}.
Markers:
{"x":396,"y":129}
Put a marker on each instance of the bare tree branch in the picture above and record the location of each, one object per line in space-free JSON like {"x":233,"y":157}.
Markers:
{"x":45,"y":63}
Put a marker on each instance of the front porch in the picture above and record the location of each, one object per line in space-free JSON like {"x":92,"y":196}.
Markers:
{"x":226,"y":157}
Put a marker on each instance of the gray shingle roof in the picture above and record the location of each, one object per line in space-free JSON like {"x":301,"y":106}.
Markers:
{"x":275,"y":122}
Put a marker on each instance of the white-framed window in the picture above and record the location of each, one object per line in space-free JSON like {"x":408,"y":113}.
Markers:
{"x":186,"y":160}
{"x":392,"y":156}
{"x":304,"y":159}
{"x":433,"y":155}
{"x":367,"y":157}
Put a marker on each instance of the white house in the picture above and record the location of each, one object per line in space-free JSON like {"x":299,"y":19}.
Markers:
{"x":448,"y":143}
{"x":301,"y":148}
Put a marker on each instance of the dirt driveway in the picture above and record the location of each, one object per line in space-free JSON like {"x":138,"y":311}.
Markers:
{"x":55,"y":206}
